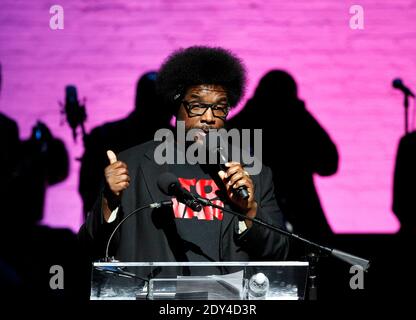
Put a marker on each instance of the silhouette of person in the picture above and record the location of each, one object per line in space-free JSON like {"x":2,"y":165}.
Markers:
{"x":404,"y":206}
{"x":404,"y":187}
{"x":9,"y":141}
{"x":137,"y":128}
{"x":27,"y":249}
{"x":9,"y":137}
{"x":43,"y":161}
{"x":295,"y":146}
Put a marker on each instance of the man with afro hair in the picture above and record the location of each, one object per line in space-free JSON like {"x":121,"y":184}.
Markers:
{"x":200,"y":85}
{"x":200,"y":66}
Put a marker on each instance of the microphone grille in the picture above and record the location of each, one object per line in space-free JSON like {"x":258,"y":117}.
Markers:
{"x":397,"y":83}
{"x":165,"y":182}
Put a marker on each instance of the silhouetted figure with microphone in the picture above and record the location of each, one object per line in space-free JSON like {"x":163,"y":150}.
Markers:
{"x":404,"y":207}
{"x":199,"y":85}
{"x":137,"y":128}
{"x":404,"y":188}
{"x":399,"y":85}
{"x":295,"y":146}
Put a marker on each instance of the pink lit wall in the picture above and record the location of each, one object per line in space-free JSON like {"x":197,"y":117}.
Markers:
{"x":344,"y":75}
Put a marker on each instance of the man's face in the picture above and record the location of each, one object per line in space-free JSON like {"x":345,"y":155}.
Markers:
{"x":203,"y":94}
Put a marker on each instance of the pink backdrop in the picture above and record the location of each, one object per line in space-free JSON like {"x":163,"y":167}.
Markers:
{"x":344,"y":75}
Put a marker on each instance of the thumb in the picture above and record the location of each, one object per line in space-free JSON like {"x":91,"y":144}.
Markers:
{"x":111,"y":156}
{"x":222,"y":174}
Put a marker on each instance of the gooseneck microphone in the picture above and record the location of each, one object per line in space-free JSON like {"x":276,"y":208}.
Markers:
{"x":398,"y":84}
{"x":151,"y":205}
{"x":169,"y":184}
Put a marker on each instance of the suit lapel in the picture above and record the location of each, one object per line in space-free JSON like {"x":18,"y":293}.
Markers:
{"x":151,"y":171}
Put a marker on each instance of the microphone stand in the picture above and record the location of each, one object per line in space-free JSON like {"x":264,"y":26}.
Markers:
{"x":313,"y":257}
{"x":406,"y":113}
{"x":151,"y":205}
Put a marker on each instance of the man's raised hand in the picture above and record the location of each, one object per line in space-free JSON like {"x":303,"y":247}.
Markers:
{"x":116,"y":174}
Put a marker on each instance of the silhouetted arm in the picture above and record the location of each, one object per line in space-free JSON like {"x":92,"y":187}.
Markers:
{"x":321,"y":150}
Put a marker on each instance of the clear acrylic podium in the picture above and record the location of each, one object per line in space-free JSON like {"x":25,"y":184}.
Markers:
{"x":199,"y":280}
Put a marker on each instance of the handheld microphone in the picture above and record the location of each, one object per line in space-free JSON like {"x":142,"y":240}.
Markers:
{"x":398,"y":84}
{"x":169,"y":184}
{"x":222,"y":156}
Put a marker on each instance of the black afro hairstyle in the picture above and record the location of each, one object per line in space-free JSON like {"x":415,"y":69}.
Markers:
{"x":200,"y":65}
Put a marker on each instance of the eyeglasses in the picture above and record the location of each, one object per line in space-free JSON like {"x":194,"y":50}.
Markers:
{"x":219,"y":110}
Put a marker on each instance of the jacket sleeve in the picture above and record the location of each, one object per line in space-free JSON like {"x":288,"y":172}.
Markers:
{"x":262,"y":243}
{"x":95,"y":232}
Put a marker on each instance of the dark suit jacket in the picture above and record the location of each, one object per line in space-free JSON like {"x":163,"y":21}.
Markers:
{"x":151,"y":234}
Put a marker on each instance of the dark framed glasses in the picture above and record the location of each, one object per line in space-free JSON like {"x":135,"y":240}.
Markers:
{"x":219,"y":110}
